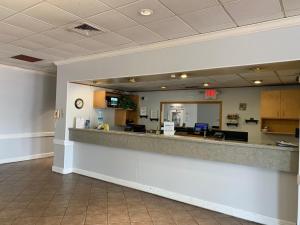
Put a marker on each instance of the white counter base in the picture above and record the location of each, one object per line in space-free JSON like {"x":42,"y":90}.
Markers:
{"x":260,"y":195}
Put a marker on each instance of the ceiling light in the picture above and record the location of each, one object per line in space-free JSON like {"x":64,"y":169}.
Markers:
{"x":173,"y":76}
{"x":256,"y":69}
{"x":132,"y":80}
{"x":206,"y":84}
{"x":146,"y":12}
{"x":183,"y":76}
{"x":257,"y":81}
{"x":163,"y":87}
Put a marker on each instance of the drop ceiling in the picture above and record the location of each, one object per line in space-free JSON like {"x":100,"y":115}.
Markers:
{"x":40,"y":28}
{"x":284,"y":73}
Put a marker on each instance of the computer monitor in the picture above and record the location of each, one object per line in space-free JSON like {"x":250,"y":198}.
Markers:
{"x":200,"y":127}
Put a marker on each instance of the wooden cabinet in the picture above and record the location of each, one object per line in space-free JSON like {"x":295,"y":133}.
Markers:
{"x":290,"y":104}
{"x":280,"y":111}
{"x":100,"y":99}
{"x":124,"y":115}
{"x":270,"y":104}
{"x":121,"y":115}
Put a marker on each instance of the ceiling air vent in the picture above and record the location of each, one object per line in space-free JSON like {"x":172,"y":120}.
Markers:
{"x":26,"y":58}
{"x":86,"y":29}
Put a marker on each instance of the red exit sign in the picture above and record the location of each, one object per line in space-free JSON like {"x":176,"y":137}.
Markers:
{"x":210,"y":94}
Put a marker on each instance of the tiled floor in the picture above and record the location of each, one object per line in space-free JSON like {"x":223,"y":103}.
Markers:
{"x":30,"y":194}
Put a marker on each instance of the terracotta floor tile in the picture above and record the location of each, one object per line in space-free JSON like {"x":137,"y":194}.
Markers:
{"x":73,"y":220}
{"x":31,"y":194}
{"x":52,"y":220}
{"x":96,"y":219}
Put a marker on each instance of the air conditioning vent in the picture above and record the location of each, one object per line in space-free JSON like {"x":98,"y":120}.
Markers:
{"x":86,"y":29}
{"x":86,"y":26}
{"x":26,"y":58}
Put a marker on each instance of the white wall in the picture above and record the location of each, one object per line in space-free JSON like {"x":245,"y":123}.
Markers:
{"x":230,"y":97}
{"x":26,"y":116}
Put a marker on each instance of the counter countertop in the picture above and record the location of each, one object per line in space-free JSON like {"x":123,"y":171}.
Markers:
{"x":256,"y":155}
{"x":195,"y":139}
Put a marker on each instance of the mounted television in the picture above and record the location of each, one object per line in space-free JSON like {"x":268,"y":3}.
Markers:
{"x":112,"y":101}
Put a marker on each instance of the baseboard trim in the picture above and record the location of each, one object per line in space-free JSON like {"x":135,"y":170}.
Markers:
{"x":26,"y":135}
{"x":251,"y":216}
{"x":27,"y":157}
{"x":60,"y":170}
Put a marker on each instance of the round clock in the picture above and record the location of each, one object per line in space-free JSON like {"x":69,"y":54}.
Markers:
{"x":79,"y":103}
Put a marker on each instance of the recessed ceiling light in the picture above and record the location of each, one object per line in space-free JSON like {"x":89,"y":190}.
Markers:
{"x":163,"y":87}
{"x":257,"y":81}
{"x":206,"y":84}
{"x":183,"y":76}
{"x":256,"y":69}
{"x":173,"y":76}
{"x":146,"y":12}
{"x":132,"y":80}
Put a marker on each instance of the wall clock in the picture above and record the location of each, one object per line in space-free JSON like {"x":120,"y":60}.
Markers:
{"x":79,"y":103}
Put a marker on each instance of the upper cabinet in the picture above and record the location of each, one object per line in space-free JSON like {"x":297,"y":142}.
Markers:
{"x":290,"y":104}
{"x":280,"y":111}
{"x":124,"y":110}
{"x":270,"y":104}
{"x":100,"y":99}
{"x":280,"y":104}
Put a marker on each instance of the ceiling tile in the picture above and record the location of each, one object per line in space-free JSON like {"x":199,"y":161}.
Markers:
{"x":117,"y":3}
{"x":92,"y":45}
{"x":4,"y":38}
{"x":289,"y":79}
{"x":62,"y":34}
{"x":171,"y":28}
{"x":13,"y":30}
{"x":125,"y":46}
{"x":209,"y":19}
{"x":258,"y":75}
{"x":27,"y":44}
{"x":5,"y":12}
{"x":112,"y":20}
{"x":56,"y":52}
{"x":6,"y":54}
{"x":112,"y":39}
{"x":268,"y":77}
{"x":226,"y":78}
{"x":73,"y":49}
{"x":51,"y":14}
{"x":291,"y":7}
{"x":132,"y":11}
{"x":141,"y":35}
{"x":15,"y":49}
{"x":19,"y":5}
{"x":81,"y":8}
{"x":289,"y":72}
{"x":181,"y":7}
{"x":253,"y":11}
{"x":28,"y":22}
{"x":44,"y":40}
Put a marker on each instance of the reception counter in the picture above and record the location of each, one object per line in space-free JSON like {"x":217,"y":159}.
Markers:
{"x":255,"y":155}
